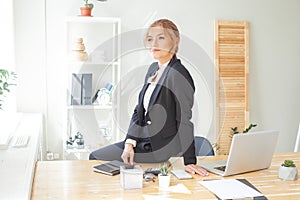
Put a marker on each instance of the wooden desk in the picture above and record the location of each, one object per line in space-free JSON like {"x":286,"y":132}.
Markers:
{"x":76,"y":180}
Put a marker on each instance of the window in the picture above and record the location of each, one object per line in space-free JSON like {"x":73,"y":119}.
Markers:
{"x":7,"y":52}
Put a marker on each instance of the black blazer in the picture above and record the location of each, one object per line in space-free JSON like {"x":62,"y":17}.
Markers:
{"x":166,"y":125}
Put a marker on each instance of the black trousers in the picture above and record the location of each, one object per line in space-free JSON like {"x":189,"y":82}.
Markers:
{"x":114,"y":152}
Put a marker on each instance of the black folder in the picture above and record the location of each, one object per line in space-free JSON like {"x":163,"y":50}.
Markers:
{"x":252,"y":186}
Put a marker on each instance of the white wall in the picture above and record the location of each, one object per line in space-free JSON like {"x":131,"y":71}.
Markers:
{"x":30,"y":53}
{"x":274,"y":52}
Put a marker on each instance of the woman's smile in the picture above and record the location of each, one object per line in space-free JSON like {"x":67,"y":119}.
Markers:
{"x":154,"y":50}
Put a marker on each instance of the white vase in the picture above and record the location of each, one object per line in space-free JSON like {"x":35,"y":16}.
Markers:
{"x":164,"y":181}
{"x":288,"y":173}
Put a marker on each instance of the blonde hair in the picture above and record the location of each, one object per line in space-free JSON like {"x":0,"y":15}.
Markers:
{"x":170,"y":29}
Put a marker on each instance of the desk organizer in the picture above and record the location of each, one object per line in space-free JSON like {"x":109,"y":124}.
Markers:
{"x":131,"y":178}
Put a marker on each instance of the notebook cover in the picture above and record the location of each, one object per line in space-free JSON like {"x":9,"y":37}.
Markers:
{"x":110,"y":168}
{"x":107,"y":169}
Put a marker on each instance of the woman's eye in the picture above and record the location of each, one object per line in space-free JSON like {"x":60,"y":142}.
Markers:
{"x":161,"y":38}
{"x":149,"y":39}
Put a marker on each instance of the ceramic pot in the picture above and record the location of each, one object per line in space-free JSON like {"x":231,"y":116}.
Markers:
{"x":288,"y":173}
{"x":86,"y":11}
{"x":164,"y":181}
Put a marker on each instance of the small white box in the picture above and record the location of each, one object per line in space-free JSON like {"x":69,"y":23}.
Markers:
{"x":131,"y":178}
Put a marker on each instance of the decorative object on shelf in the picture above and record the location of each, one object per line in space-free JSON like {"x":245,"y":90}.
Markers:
{"x":288,"y":171}
{"x":69,"y":143}
{"x":105,"y":131}
{"x":7,"y":79}
{"x":78,"y":51}
{"x":86,"y":10}
{"x":103,"y":95}
{"x":76,"y":89}
{"x":78,"y":138}
{"x":164,"y":177}
{"x":81,"y":93}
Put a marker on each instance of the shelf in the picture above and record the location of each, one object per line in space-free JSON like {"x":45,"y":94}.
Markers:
{"x":92,"y":19}
{"x":91,"y":63}
{"x":102,"y":45}
{"x":77,"y":154}
{"x":90,"y":107}
{"x":76,"y":150}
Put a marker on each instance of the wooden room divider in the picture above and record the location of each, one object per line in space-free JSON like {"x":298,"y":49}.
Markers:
{"x":232,"y":80}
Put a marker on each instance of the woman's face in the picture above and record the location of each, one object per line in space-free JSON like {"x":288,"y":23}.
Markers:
{"x":160,"y":44}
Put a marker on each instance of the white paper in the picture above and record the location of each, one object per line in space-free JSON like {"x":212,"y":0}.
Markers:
{"x":179,"y":188}
{"x":230,"y":189}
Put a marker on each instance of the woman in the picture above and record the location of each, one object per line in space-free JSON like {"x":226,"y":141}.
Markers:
{"x":160,"y":126}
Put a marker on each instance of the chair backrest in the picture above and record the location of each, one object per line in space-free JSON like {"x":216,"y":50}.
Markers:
{"x":297,"y":144}
{"x":203,"y":147}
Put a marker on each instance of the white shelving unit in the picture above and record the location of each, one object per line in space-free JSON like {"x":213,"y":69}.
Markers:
{"x":95,"y":122}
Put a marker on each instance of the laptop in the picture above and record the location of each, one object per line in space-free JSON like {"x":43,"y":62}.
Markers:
{"x":248,"y":152}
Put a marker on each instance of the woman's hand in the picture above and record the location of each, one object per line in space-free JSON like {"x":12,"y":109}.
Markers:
{"x":128,"y":154}
{"x":195,"y":169}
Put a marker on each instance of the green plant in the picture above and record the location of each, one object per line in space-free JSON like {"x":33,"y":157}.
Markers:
{"x":216,"y":147}
{"x":249,"y":128}
{"x":90,"y":5}
{"x":87,"y":4}
{"x":288,"y":163}
{"x":164,"y":170}
{"x":6,"y":80}
{"x":235,"y":129}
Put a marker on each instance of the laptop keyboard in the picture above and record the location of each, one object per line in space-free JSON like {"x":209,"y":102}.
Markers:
{"x":221,"y":168}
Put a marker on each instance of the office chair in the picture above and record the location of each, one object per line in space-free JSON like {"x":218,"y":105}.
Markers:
{"x":203,"y":147}
{"x":297,"y":144}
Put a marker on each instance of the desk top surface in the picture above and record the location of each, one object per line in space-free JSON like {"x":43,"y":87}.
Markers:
{"x":76,"y":180}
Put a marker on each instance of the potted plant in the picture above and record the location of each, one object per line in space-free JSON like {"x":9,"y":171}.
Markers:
{"x":6,"y":78}
{"x":164,"y":177}
{"x":86,"y":10}
{"x":235,"y":129}
{"x":288,"y":170}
